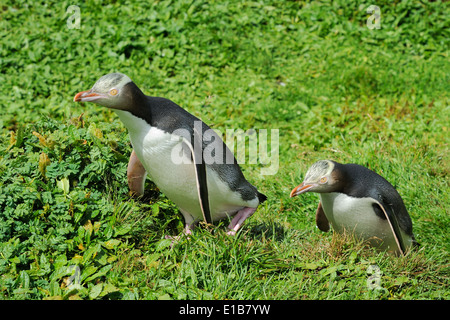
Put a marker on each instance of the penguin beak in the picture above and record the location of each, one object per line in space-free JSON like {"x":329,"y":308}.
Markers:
{"x":301,"y":188}
{"x":86,"y":96}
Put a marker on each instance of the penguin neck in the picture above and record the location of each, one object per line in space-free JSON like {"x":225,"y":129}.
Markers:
{"x":343,"y":179}
{"x":352,"y":179}
{"x":128,"y":119}
{"x":138,"y":129}
{"x":137,"y":103}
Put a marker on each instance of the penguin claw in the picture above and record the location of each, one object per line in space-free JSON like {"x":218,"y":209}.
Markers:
{"x":175,"y":239}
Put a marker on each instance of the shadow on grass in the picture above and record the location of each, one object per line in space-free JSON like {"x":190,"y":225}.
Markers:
{"x":264,"y":230}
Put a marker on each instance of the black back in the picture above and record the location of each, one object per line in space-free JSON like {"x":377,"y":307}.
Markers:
{"x":358,"y":181}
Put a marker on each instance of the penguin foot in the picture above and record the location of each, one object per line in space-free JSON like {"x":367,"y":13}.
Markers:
{"x":186,"y":232}
{"x":239,"y":219}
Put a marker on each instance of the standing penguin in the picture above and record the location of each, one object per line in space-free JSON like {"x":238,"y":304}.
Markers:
{"x":169,"y":145}
{"x":358,"y":200}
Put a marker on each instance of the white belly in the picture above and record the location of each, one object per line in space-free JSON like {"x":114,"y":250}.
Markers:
{"x":356,"y":215}
{"x":176,"y":177}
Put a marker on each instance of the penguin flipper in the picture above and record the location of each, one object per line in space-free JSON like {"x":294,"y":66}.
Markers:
{"x":200,"y":173}
{"x":321,"y":219}
{"x":136,"y":175}
{"x":388,"y":212}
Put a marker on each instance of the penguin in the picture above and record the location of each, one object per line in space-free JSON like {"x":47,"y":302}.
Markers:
{"x":355,"y":199}
{"x":183,"y":156}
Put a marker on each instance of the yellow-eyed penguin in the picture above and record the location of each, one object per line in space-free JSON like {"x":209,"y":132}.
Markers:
{"x":358,"y":200}
{"x":186,"y":159}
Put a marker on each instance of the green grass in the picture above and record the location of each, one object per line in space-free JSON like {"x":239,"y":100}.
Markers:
{"x":312,"y":69}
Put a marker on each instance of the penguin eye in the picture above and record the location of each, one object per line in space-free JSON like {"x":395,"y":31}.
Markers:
{"x":323,"y":179}
{"x":113,"y":92}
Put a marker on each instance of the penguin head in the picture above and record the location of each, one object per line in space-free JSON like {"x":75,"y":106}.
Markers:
{"x":319,"y":178}
{"x":114,"y":90}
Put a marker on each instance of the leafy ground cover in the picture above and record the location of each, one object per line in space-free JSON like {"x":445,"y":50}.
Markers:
{"x":334,"y":89}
